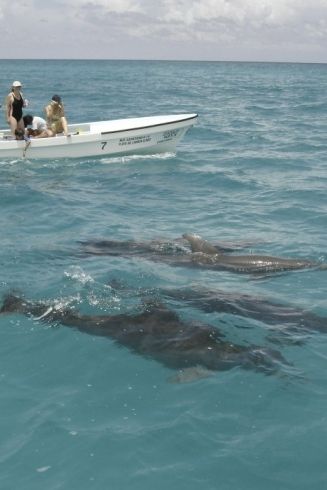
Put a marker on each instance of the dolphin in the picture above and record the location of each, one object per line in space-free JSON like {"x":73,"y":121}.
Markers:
{"x":254,"y":264}
{"x":169,"y":247}
{"x":158,"y":333}
{"x":293,"y":319}
{"x":193,"y":251}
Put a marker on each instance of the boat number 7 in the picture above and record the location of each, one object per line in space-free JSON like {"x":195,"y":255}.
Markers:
{"x":103,"y":144}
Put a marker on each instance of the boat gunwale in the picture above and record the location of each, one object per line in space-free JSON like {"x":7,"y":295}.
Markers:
{"x":150,"y":125}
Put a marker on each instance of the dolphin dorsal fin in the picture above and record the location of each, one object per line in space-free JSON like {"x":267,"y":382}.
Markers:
{"x":199,"y":245}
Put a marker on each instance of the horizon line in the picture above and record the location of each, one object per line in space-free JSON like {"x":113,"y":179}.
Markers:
{"x":168,"y":60}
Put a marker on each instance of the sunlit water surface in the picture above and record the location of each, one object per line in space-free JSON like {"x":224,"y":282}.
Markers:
{"x":79,"y":412}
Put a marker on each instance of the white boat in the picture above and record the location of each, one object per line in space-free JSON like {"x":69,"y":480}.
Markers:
{"x":142,"y":135}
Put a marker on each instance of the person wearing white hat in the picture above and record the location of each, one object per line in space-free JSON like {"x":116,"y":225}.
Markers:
{"x":14,"y":107}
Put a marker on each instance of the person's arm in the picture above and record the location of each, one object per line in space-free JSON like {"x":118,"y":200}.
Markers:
{"x":27,"y":144}
{"x":47,"y":111}
{"x":25,"y":101}
{"x":9,"y":107}
{"x":64,"y":125}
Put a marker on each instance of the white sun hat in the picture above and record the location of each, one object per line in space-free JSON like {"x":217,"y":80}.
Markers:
{"x":16,"y":84}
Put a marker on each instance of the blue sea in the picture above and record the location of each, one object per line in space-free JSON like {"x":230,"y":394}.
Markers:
{"x":80,"y":412}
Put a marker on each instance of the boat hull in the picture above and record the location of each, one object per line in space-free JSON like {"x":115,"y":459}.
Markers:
{"x":148,"y":135}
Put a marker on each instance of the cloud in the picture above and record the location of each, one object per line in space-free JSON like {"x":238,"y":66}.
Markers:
{"x":216,"y":29}
{"x":210,"y":19}
{"x":236,"y":12}
{"x":115,"y":6}
{"x":247,"y":14}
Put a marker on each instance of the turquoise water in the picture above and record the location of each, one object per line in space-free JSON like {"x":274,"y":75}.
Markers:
{"x":78,"y":412}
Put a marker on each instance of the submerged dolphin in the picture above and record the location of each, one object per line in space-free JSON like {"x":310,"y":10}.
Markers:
{"x":159,"y":334}
{"x":293,"y":319}
{"x":204,"y":258}
{"x":290,"y":320}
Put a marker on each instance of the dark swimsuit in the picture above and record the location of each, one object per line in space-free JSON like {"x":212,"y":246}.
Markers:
{"x":17,"y":108}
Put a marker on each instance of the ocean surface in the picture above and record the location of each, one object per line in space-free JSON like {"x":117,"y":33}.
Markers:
{"x":80,"y":412}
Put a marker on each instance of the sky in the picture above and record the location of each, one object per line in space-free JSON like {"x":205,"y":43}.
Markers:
{"x":218,"y":30}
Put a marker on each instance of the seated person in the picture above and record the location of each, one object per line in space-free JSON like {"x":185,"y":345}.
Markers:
{"x":36,"y":126}
{"x":55,"y":115}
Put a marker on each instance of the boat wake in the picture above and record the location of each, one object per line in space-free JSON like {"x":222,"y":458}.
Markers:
{"x":131,"y":158}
